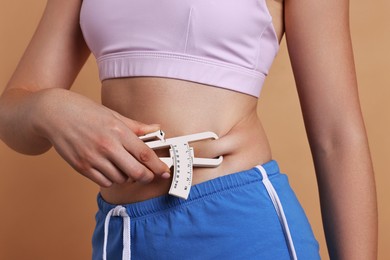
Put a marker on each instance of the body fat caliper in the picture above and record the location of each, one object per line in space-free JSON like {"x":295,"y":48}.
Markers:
{"x":181,"y":158}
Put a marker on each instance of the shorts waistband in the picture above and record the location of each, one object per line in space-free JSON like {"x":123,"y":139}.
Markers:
{"x":199,"y":191}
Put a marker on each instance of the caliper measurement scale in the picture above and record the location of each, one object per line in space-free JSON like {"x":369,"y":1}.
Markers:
{"x":182,"y":158}
{"x":181,"y":155}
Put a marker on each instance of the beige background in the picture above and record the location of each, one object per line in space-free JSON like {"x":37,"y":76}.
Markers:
{"x":41,"y":221}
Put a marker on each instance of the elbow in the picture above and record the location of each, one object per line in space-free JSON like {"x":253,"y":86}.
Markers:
{"x":15,"y":132}
{"x":339,"y":143}
{"x":27,"y":148}
{"x":36,"y":150}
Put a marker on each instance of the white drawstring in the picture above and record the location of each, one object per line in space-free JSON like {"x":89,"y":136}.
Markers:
{"x":119,"y":211}
{"x":279,"y":210}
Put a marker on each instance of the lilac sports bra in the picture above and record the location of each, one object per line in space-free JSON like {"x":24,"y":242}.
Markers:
{"x":223,"y":43}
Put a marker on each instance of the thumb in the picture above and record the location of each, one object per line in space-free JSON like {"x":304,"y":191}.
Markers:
{"x":142,"y":129}
{"x":137,"y":127}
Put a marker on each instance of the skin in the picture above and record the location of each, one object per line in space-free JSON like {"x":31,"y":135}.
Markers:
{"x":37,"y":112}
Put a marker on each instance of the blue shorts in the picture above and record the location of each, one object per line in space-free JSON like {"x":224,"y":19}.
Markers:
{"x":252,"y":214}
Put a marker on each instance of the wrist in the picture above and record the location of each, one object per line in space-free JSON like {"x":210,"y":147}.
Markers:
{"x":43,"y":112}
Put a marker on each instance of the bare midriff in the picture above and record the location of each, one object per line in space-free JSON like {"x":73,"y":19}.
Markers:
{"x":182,"y":108}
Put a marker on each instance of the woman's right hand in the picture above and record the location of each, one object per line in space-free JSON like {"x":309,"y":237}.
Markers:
{"x":37,"y":106}
{"x":96,"y":141}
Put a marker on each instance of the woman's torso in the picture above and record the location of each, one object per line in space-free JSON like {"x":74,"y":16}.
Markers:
{"x":183,"y":107}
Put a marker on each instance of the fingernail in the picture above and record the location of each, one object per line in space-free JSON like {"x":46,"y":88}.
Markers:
{"x":166,"y":175}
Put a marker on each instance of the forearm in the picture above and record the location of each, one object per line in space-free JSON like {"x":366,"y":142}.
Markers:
{"x":348,"y":199}
{"x":17,"y":121}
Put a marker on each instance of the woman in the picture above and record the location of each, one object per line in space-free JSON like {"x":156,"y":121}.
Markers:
{"x":195,"y":66}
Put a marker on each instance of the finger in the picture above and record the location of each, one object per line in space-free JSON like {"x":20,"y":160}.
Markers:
{"x":130,"y":166}
{"x":128,"y":158}
{"x":111,"y":172}
{"x":147,"y":157}
{"x":143,"y":129}
{"x":97,"y":177}
{"x":133,"y":169}
{"x":135,"y":126}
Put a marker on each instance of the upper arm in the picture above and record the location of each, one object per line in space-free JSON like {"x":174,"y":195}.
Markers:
{"x":56,"y":52}
{"x":319,"y":44}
